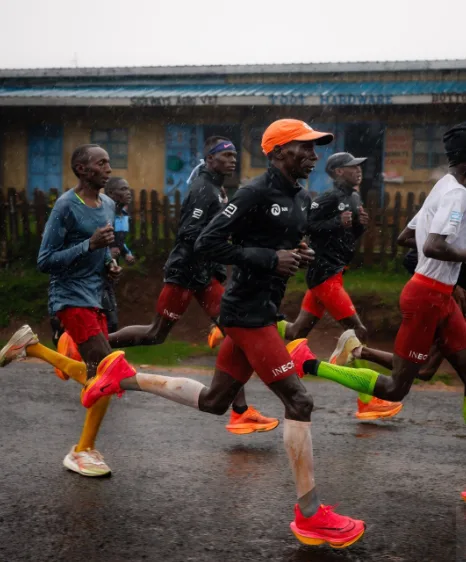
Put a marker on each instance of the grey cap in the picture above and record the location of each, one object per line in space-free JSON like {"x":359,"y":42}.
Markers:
{"x":342,"y":160}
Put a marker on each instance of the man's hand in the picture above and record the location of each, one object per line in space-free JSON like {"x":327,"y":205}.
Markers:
{"x":347,"y":219}
{"x":115,"y":252}
{"x":130,"y":259}
{"x":101,"y":238}
{"x":288,"y":262}
{"x":306,"y":254}
{"x":114,"y":270}
{"x":363,"y":217}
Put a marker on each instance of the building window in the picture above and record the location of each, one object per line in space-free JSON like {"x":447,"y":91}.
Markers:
{"x":428,"y":151}
{"x":115,"y":142}
{"x":258,"y":159}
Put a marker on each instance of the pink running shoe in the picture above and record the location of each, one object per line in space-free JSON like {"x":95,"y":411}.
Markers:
{"x":326,"y":526}
{"x":300,"y":352}
{"x":110,"y":372}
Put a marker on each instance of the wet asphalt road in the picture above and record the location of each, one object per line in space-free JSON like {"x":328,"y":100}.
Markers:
{"x":183,"y":489}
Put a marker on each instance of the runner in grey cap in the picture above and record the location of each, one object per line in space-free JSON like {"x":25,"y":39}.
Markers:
{"x":342,"y":160}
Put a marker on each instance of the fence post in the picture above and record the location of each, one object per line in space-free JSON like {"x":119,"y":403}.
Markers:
{"x":177,"y":208}
{"x":396,"y":224}
{"x":422,"y":198}
{"x":410,"y":206}
{"x":166,"y":223}
{"x":384,"y":231}
{"x":154,"y":209}
{"x":13,"y":213}
{"x":3,"y":234}
{"x":25,"y":207}
{"x":143,"y":215}
{"x":132,"y":217}
{"x":372,"y":198}
{"x":40,"y":208}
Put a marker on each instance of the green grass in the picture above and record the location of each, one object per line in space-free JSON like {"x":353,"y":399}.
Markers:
{"x":23,"y":294}
{"x":387,"y":285}
{"x":172,"y":352}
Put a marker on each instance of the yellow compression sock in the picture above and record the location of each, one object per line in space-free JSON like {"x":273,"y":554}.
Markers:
{"x":76,"y":370}
{"x":94,"y":417}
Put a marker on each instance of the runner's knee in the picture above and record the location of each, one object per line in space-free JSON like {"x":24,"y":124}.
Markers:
{"x":300,"y":407}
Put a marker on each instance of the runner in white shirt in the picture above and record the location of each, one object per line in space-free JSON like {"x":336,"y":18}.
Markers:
{"x":428,"y":309}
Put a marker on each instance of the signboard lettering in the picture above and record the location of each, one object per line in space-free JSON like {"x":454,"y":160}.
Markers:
{"x":449,"y":98}
{"x":356,"y":99}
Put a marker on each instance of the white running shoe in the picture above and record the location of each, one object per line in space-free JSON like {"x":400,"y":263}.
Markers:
{"x":86,"y":463}
{"x":16,"y":347}
{"x":343,"y":353}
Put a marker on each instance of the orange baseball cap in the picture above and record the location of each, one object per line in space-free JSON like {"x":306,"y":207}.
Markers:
{"x":286,"y":130}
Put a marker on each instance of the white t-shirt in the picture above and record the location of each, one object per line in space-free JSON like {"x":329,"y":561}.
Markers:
{"x":443,"y":212}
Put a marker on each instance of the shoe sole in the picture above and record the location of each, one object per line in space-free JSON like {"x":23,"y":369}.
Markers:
{"x":379,"y":415}
{"x":339,"y":350}
{"x":13,"y":345}
{"x":70,"y":465}
{"x":245,"y":430}
{"x":317,"y":541}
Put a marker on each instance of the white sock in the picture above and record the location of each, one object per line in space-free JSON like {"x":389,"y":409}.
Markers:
{"x":181,"y":390}
{"x":298,"y":445}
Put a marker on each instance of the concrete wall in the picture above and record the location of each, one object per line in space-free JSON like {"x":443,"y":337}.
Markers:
{"x":146,"y":136}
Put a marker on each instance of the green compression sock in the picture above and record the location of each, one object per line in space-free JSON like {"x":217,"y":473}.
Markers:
{"x":361,"y":380}
{"x":365,"y":398}
{"x":281,"y":327}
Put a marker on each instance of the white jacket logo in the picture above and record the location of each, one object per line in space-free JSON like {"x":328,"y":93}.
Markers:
{"x":418,"y":356}
{"x":275,"y":210}
{"x":230,"y":210}
{"x":197,"y":213}
{"x":283,"y":369}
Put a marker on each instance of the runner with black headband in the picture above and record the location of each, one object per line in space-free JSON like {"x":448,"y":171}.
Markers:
{"x":187,"y":275}
{"x":428,"y":308}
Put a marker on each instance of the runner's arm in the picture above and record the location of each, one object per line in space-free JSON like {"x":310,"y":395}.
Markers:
{"x":322,"y":216}
{"x":199,"y":209}
{"x":213,"y":243}
{"x":53,"y":257}
{"x":407,"y":238}
{"x":446,"y":227}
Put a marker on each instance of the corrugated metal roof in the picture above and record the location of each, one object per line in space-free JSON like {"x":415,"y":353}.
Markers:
{"x":221,"y":90}
{"x":209,"y":70}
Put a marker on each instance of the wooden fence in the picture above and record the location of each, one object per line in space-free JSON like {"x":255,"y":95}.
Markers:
{"x":154,"y":221}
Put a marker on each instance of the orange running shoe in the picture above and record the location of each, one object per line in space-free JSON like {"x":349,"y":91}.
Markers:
{"x":463,"y":495}
{"x":68,"y":348}
{"x":110,"y":372}
{"x":215,"y":337}
{"x":377,"y":408}
{"x":326,"y":526}
{"x":299,"y":351}
{"x":249,"y":422}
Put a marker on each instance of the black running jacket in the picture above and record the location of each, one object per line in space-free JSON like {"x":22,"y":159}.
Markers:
{"x":267,"y":215}
{"x":201,"y":204}
{"x":333,"y":244}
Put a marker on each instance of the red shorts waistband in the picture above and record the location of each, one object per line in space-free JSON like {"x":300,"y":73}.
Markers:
{"x":433,"y":284}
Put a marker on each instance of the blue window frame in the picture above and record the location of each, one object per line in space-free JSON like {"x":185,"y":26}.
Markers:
{"x":45,"y":158}
{"x":115,"y":142}
{"x":428,"y":151}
